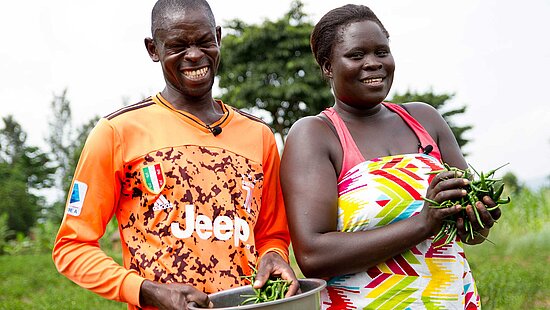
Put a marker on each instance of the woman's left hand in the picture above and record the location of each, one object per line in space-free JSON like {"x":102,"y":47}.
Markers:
{"x":487,"y":218}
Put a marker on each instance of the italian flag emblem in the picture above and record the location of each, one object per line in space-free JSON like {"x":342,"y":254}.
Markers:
{"x":153,"y":178}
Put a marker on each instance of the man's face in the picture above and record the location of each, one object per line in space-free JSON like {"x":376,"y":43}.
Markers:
{"x":187,"y":46}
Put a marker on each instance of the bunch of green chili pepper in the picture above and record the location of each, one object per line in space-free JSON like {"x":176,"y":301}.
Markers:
{"x":481,"y":184}
{"x":273,"y":289}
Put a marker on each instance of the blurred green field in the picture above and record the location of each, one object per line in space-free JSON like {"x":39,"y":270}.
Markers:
{"x":512,"y":273}
{"x":32,"y":282}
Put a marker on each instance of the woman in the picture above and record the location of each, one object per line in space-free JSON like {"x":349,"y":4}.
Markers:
{"x":354,"y":178}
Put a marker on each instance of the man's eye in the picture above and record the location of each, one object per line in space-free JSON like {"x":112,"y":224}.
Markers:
{"x":176,"y":49}
{"x":208,"y":44}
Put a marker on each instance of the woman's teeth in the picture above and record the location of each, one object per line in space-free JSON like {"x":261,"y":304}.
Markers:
{"x":372,"y":81}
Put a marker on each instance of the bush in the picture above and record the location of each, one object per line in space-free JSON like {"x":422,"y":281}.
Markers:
{"x":5,"y":232}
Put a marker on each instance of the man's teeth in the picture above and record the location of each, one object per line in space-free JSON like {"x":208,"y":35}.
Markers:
{"x":195,"y":74}
{"x":372,"y":81}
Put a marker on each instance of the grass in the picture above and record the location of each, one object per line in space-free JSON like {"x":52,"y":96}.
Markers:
{"x":32,"y":282}
{"x":512,"y":273}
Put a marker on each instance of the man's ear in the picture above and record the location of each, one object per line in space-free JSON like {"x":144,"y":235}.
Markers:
{"x":327,"y":69}
{"x":219,"y":35}
{"x":151,"y":49}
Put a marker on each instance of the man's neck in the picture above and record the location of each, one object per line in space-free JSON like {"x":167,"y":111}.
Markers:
{"x":204,"y":108}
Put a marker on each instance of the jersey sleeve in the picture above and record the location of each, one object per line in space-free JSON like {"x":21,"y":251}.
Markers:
{"x":90,"y":206}
{"x":271,"y":230}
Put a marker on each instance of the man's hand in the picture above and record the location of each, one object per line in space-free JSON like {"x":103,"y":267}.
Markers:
{"x":171,"y":296}
{"x":272,"y":264}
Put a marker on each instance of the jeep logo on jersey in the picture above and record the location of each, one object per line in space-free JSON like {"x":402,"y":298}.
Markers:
{"x":153,"y":178}
{"x":223,"y":227}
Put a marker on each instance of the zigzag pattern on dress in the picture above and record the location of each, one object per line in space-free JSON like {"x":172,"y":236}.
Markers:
{"x":382,"y":191}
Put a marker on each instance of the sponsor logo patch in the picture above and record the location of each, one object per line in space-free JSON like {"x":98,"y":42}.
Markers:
{"x":221,"y":227}
{"x":153,"y":178}
{"x":76,"y":200}
{"x":161,"y":204}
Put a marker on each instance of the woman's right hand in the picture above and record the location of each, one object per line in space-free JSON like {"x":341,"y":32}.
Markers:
{"x":171,"y":296}
{"x":446,"y":185}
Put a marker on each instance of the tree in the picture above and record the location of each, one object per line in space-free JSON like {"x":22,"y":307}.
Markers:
{"x":270,"y":67}
{"x":66,"y":144}
{"x":438,"y":101}
{"x":512,"y":183}
{"x":23,"y":170}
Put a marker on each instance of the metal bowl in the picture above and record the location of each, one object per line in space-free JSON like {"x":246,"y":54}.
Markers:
{"x":308,"y":299}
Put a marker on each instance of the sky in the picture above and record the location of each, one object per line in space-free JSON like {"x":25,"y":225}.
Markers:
{"x":491,"y":54}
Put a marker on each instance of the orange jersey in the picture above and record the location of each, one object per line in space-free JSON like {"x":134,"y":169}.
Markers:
{"x":192,"y":207}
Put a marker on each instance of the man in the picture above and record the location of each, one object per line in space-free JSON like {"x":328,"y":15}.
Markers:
{"x":194,"y":183}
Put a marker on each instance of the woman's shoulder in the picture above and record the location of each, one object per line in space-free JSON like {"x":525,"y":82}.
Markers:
{"x":310,"y":124}
{"x":313,"y":130}
{"x":427,"y":115}
{"x":417,"y":107}
{"x":424,"y":113}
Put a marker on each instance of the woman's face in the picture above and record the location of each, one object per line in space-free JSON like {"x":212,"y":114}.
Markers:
{"x":361,"y":67}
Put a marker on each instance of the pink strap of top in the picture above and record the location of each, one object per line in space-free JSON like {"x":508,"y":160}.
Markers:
{"x":352,"y":156}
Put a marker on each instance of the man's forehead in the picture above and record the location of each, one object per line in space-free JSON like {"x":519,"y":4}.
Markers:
{"x":188,"y":16}
{"x":175,"y":20}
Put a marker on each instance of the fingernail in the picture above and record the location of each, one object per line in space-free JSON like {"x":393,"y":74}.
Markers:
{"x":257,"y":283}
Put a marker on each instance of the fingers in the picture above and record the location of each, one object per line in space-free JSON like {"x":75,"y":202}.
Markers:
{"x":479,"y":216}
{"x":445,"y":186}
{"x":445,"y":175}
{"x":288,"y":274}
{"x":461,"y":229}
{"x":171,"y":296}
{"x":261,"y":277}
{"x":477,"y":220}
{"x":200,"y":298}
{"x":495,"y":212}
{"x":293,"y":289}
{"x":272,"y":264}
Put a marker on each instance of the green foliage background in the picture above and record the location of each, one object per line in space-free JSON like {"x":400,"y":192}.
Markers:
{"x":438,"y":101}
{"x":267,"y":67}
{"x":512,"y":273}
{"x":270,"y":67}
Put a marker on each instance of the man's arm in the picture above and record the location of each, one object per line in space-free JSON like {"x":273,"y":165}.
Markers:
{"x":90,"y":207}
{"x":271,"y":230}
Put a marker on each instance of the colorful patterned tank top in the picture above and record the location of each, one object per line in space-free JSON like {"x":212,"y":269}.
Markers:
{"x":380,"y":191}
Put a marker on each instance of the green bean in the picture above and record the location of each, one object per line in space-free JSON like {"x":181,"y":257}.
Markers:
{"x":476,"y":212}
{"x":481,"y":184}
{"x":273,"y":289}
{"x":503,"y":201}
{"x":470,"y":229}
{"x":498,"y":192}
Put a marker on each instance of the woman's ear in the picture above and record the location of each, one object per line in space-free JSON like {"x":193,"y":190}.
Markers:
{"x":327,"y":69}
{"x":151,"y":49}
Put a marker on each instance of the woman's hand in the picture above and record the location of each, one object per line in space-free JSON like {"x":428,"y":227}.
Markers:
{"x":481,"y":229}
{"x":446,"y":185}
{"x":272,"y":264}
